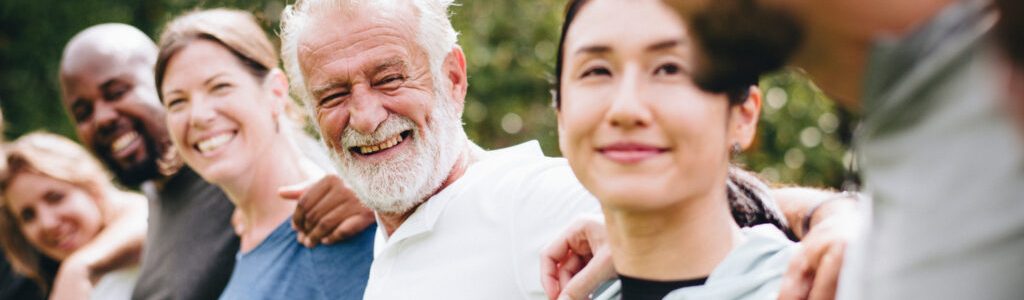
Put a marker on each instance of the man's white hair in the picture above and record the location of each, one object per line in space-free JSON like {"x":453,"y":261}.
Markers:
{"x":435,"y":33}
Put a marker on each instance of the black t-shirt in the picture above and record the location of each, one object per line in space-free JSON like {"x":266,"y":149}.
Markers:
{"x":190,"y":245}
{"x":643,"y":289}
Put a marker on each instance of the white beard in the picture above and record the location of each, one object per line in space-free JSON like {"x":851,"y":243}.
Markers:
{"x":399,"y":185}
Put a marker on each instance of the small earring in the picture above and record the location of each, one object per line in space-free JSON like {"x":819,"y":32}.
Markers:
{"x":277,"y":122}
{"x":735,"y":150}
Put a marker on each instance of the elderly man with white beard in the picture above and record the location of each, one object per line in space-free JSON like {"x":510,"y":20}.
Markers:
{"x":385,"y":82}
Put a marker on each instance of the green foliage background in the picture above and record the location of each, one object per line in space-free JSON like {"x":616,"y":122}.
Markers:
{"x":510,"y":48}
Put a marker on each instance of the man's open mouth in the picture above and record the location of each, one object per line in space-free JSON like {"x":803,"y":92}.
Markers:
{"x":382,"y":146}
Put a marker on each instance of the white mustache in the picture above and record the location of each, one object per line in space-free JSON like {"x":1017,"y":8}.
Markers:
{"x":391,"y":127}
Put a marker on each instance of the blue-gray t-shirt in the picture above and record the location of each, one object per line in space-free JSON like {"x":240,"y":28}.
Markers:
{"x":281,"y":268}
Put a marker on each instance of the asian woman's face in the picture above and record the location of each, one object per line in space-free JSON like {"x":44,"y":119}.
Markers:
{"x":221,"y":117}
{"x":56,"y":217}
{"x":636,"y":130}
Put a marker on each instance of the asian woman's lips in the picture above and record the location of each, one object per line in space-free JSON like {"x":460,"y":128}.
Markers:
{"x":628,"y":153}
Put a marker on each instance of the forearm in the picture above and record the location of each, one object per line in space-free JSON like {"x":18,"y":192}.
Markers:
{"x":119,"y":244}
{"x":804,"y":207}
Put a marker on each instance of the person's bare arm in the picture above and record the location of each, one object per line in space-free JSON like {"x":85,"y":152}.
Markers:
{"x":327,"y":211}
{"x":578,"y":261}
{"x":118,"y":245}
{"x":825,"y":222}
{"x":571,"y":270}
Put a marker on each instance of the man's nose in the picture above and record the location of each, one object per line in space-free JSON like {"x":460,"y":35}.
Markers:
{"x":106,"y":116}
{"x":366,"y":112}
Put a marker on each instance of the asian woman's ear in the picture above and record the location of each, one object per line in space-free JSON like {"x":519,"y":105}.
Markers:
{"x":743,"y":119}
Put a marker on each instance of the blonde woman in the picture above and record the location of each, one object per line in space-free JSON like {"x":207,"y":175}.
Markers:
{"x":227,"y":113}
{"x":59,"y":201}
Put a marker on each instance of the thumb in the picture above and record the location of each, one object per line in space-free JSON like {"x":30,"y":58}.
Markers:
{"x":597,"y":271}
{"x":294,"y":191}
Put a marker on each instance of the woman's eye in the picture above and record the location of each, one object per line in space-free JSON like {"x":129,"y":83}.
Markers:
{"x":667,"y":69}
{"x":596,"y":71}
{"x":53,"y":197}
{"x":174,"y":102}
{"x":220,"y":88}
{"x":27,"y":215}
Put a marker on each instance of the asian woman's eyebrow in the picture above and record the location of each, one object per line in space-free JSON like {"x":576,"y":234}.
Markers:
{"x":594,"y":49}
{"x":666,"y":44}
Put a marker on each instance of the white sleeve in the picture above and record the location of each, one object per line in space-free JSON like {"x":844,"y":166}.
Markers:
{"x":552,"y":198}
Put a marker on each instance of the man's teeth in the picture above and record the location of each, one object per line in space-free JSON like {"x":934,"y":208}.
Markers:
{"x":385,"y":145}
{"x":123,"y":141}
{"x":214,"y":142}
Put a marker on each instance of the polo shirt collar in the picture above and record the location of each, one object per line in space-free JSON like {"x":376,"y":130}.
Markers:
{"x":425,"y":217}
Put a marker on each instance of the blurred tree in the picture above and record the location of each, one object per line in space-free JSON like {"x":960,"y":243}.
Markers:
{"x":510,"y":49}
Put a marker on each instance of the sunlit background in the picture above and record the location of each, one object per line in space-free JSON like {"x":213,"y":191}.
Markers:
{"x":510,"y":49}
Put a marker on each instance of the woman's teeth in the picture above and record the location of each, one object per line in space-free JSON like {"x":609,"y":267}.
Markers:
{"x":381,"y":146}
{"x":214,"y":142}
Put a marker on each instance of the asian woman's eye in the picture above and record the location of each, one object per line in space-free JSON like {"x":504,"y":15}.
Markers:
{"x":596,"y":71}
{"x":175,"y":102}
{"x":668,"y":69}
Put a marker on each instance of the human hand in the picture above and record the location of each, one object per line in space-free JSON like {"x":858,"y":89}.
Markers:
{"x":327,"y":211}
{"x":813,"y":272}
{"x":575,"y":263}
{"x":75,"y":277}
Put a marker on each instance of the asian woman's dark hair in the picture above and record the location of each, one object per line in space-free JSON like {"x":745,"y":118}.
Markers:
{"x":736,"y":94}
{"x":749,"y":198}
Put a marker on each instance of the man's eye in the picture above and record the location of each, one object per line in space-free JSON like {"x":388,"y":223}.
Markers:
{"x":82,"y":111}
{"x":390,"y":81}
{"x":596,"y":71}
{"x":332,"y":100}
{"x":668,"y":69}
{"x":116,"y":91}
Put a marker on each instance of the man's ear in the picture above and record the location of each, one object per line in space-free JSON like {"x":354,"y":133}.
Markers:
{"x":455,"y":69}
{"x":277,"y":84}
{"x":743,"y":119}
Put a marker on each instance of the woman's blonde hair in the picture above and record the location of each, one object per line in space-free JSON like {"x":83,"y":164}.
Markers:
{"x":236,"y":30}
{"x":52,"y":156}
{"x":239,"y":32}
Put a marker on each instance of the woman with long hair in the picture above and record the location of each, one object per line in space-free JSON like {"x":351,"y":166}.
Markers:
{"x":58,"y":200}
{"x":655,"y":150}
{"x":230,"y":118}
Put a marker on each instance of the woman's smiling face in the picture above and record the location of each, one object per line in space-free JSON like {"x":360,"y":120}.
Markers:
{"x":221,"y":117}
{"x":55,"y":216}
{"x":636,"y":130}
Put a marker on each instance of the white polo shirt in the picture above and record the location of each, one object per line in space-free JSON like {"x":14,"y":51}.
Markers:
{"x":481,"y":237}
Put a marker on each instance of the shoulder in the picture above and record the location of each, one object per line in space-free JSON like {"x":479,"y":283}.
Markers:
{"x":524,"y":168}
